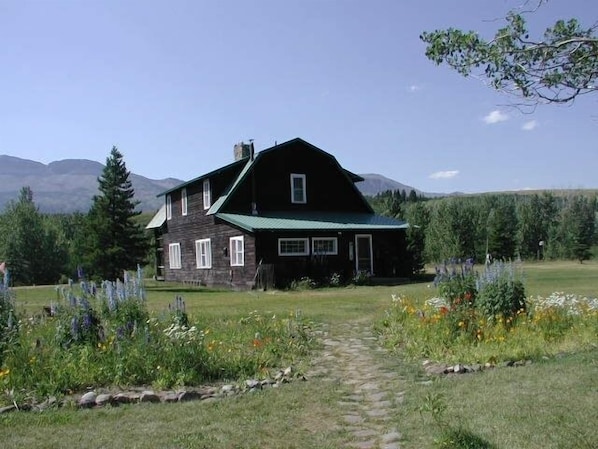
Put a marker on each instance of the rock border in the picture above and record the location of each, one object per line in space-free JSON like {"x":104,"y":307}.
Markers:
{"x":437,"y":369}
{"x":98,"y":398}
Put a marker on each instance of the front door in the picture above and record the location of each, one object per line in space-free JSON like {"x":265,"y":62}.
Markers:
{"x":363,"y":253}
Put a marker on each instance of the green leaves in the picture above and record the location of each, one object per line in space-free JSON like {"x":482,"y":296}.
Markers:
{"x":555,"y":69}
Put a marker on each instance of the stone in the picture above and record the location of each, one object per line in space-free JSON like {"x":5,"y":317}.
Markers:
{"x":458,"y":369}
{"x":171,"y":396}
{"x":287,"y":371}
{"x":435,"y":368}
{"x":125,"y":398}
{"x":189,"y":396}
{"x":88,"y":400}
{"x":8,"y":408}
{"x":252,"y":384}
{"x":103,"y":399}
{"x":227,"y":389}
{"x":149,"y":396}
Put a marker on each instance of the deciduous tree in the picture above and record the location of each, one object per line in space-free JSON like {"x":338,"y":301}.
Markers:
{"x":554,"y":68}
{"x":31,"y":248}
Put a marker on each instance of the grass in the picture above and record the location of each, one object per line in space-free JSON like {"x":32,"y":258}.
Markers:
{"x":548,"y":404}
{"x":294,"y":417}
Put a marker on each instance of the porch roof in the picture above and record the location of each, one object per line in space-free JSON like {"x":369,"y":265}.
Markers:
{"x":158,"y":219}
{"x":313,"y":221}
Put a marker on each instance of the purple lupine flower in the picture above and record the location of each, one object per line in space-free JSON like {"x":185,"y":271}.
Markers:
{"x":87,"y":320}
{"x":75,"y":328}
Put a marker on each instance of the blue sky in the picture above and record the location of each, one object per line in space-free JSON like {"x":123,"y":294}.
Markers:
{"x":175,"y":84}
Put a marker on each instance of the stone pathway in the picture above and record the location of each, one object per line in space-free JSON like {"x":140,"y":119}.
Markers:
{"x":352,"y":358}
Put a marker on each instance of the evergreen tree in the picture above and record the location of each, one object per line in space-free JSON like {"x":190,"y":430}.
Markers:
{"x":502,"y":228}
{"x":418,"y":217}
{"x":114,"y":241}
{"x":577,"y":227}
{"x":29,"y":246}
{"x":537,"y":217}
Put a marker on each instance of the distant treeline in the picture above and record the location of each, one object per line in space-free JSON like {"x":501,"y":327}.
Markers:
{"x":543,"y":225}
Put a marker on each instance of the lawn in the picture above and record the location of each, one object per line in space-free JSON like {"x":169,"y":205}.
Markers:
{"x":547,"y":404}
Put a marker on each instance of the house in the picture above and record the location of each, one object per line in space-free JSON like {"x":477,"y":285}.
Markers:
{"x":283,"y":213}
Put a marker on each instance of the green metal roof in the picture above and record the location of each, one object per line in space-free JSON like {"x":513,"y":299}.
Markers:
{"x":220,"y":201}
{"x":313,"y":221}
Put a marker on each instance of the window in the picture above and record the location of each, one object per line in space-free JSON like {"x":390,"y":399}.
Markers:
{"x":293,"y":247}
{"x":203,"y":253}
{"x":168,"y":207}
{"x":184,"y":202}
{"x":174,"y":255}
{"x":207,"y":194}
{"x":237,"y":248}
{"x":324,"y":245}
{"x":298,"y":191}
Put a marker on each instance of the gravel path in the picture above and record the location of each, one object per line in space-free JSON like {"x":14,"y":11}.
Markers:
{"x":352,"y":358}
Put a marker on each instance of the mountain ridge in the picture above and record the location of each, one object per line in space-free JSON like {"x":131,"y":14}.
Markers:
{"x":68,"y":185}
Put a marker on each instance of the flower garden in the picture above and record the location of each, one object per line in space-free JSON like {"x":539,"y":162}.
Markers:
{"x":104,"y":335}
{"x":485,"y":317}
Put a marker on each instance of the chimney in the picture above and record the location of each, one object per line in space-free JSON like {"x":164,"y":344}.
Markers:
{"x":242,"y":151}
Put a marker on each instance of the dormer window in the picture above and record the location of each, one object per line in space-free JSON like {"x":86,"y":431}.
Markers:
{"x":298,"y":190}
{"x":207,"y":194}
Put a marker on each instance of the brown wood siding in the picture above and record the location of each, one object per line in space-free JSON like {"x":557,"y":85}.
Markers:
{"x":328,"y":189}
{"x":185,"y":230}
{"x":269,"y":185}
{"x":388,"y":247}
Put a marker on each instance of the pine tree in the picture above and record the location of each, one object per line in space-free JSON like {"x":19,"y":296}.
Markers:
{"x":114,"y":241}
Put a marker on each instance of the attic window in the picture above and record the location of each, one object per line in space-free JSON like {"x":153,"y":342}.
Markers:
{"x":168,"y":207}
{"x":207,"y":194}
{"x":298,"y":190}
{"x":184,"y":201}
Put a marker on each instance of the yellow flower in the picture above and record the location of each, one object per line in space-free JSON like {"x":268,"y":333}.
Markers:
{"x":4,"y":372}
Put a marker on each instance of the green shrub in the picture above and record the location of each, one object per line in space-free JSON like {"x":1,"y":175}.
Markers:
{"x":305,"y":283}
{"x":501,"y":293}
{"x":362,"y":277}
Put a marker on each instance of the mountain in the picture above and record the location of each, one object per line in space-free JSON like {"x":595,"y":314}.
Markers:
{"x":69,"y":185}
{"x":374,"y":184}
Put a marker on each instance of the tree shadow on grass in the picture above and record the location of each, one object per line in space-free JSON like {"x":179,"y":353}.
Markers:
{"x":460,"y":438}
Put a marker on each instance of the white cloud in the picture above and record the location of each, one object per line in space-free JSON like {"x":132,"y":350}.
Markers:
{"x":414,"y":88}
{"x":495,"y":116}
{"x":528,"y":126}
{"x":446,"y":174}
